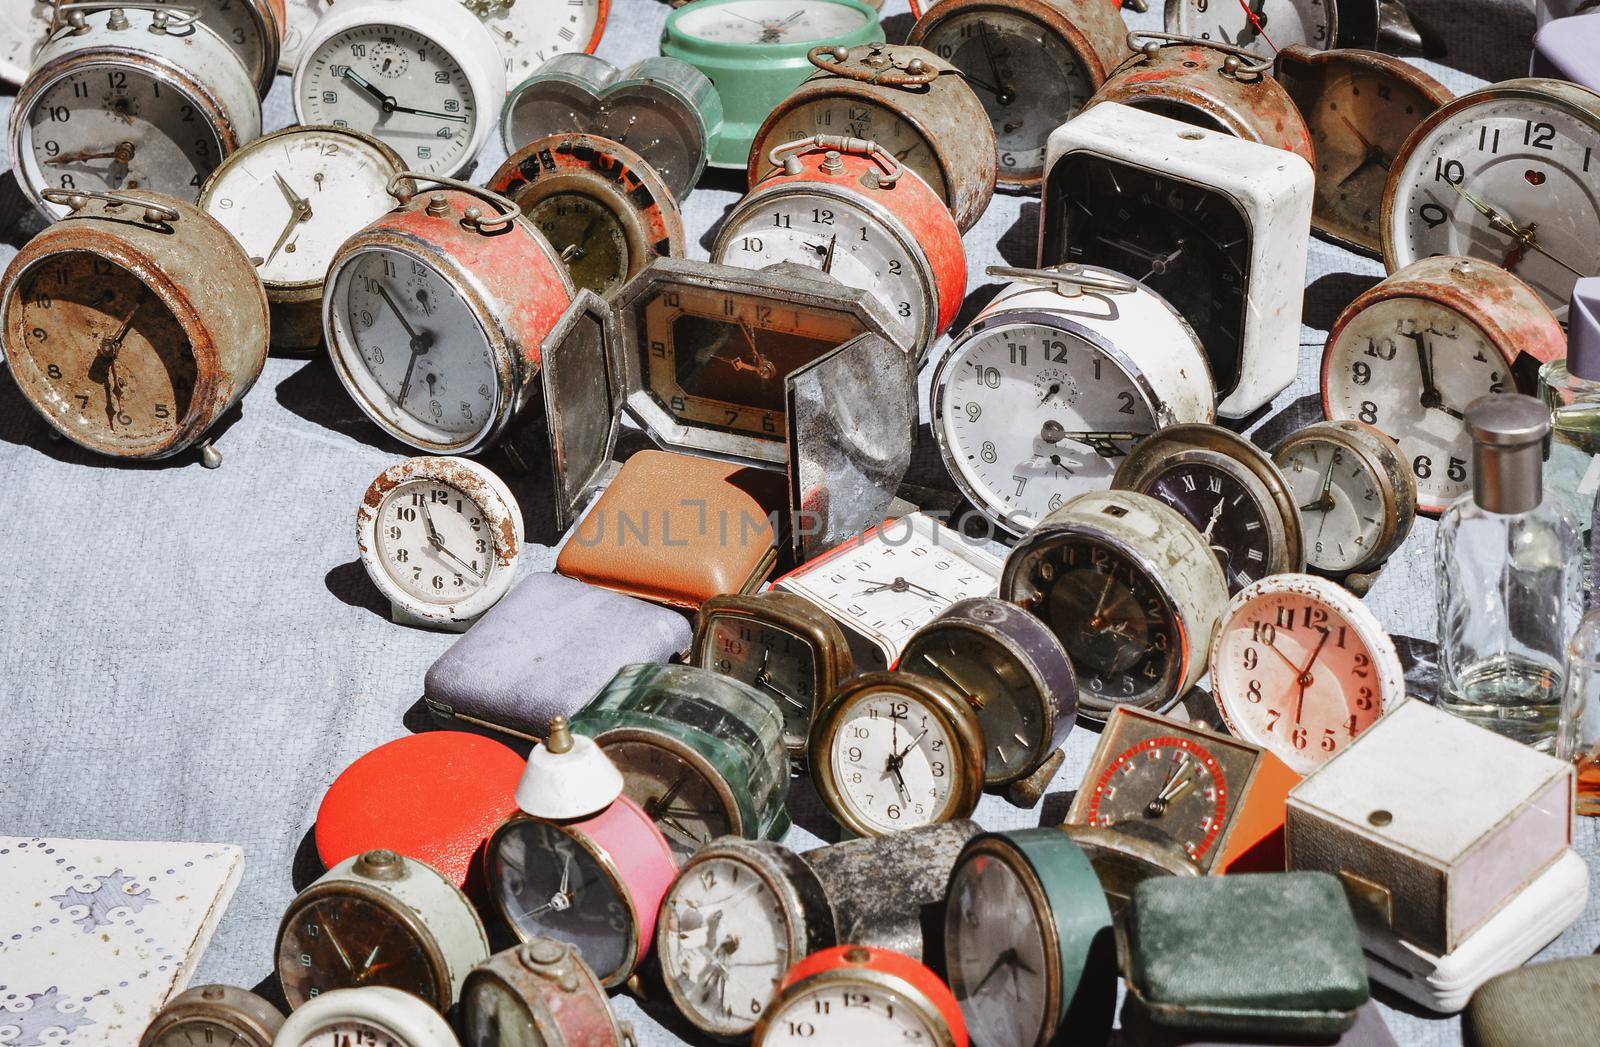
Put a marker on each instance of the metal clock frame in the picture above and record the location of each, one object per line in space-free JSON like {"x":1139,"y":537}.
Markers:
{"x":1396,"y":485}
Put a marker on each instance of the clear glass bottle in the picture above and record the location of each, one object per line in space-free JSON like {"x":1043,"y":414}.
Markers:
{"x":1570,"y":387}
{"x":1579,"y":737}
{"x":1510,"y":594}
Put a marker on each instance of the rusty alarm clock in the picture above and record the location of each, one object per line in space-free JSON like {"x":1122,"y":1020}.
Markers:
{"x":910,"y":101}
{"x":601,"y":205}
{"x":435,"y":314}
{"x":1210,"y":85}
{"x":133,"y":324}
{"x":849,"y":208}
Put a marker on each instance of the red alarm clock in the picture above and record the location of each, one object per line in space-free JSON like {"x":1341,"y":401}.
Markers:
{"x":435,"y":797}
{"x":858,"y":994}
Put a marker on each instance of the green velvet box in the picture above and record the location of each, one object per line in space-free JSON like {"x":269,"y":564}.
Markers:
{"x":1270,"y":954}
{"x":1538,"y":1006}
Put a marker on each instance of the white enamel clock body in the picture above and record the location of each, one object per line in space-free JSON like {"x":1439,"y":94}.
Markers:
{"x":528,"y":34}
{"x":1055,"y":381}
{"x":422,"y":76}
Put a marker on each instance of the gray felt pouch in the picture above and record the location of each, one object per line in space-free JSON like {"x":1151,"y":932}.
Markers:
{"x":543,"y":651}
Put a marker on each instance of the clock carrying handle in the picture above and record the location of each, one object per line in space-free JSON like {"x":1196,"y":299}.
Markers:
{"x":1069,"y":279}
{"x":168,"y":17}
{"x":786,"y":156}
{"x":403,"y":187}
{"x":879,"y":68}
{"x":1240,"y":64}
{"x":75,"y":199}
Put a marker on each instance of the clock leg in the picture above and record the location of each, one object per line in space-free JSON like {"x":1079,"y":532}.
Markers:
{"x":210,"y":457}
{"x":1026,"y":792}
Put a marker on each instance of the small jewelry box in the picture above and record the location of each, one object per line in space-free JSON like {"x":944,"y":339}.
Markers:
{"x":1255,"y":954}
{"x":1548,"y":1003}
{"x":535,"y":655}
{"x":1432,"y":823}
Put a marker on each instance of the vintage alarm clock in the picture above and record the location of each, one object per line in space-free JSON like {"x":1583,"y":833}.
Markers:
{"x":1033,"y":65}
{"x":1010,"y":668}
{"x":540,"y":994}
{"x":701,"y":753}
{"x":129,"y":98}
{"x":665,"y":110}
{"x":1028,"y":939}
{"x":434,"y":314}
{"x":1127,"y":586}
{"x":1229,"y":489}
{"x":370,"y":1014}
{"x":1265,"y":27}
{"x":1502,"y":174}
{"x":1359,"y":106}
{"x":528,"y":34}
{"x":379,"y":919}
{"x":601,"y":206}
{"x":1219,"y":798}
{"x":910,"y":101}
{"x":423,"y":76}
{"x":24,"y":28}
{"x":1055,"y":381}
{"x":893,"y":751}
{"x":1300,"y":667}
{"x":212,"y":1012}
{"x":291,"y":198}
{"x":595,"y":883}
{"x":254,"y":29}
{"x":440,"y":538}
{"x":1356,"y":495}
{"x":852,"y":210}
{"x":755,"y":52}
{"x":738,"y":916}
{"x":1410,"y":354}
{"x":779,"y":643}
{"x":859,"y":994}
{"x":897,"y":578}
{"x":1217,"y":225}
{"x":134,"y":324}
{"x":1212,"y":85}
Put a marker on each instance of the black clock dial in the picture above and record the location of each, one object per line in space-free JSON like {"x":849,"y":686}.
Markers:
{"x":1226,"y":514}
{"x":1189,"y":243}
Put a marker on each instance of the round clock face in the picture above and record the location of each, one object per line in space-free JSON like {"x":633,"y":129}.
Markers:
{"x":100,"y":354}
{"x":660,"y":127}
{"x":1169,"y":784}
{"x":838,"y":236}
{"x":1410,"y":367}
{"x":588,"y":236}
{"x":1341,"y":501}
{"x":1027,"y":77}
{"x":996,"y":953}
{"x":434,"y":542}
{"x":861,"y":118}
{"x":398,"y":86}
{"x":770,"y":22}
{"x":415,"y":349}
{"x":1511,"y":180}
{"x":892,"y":761}
{"x":842,"y":1012}
{"x":551,"y":886}
{"x":726,"y":945}
{"x":341,"y":941}
{"x":291,"y":201}
{"x":1295,"y":676}
{"x":678,"y":794}
{"x":528,"y":34}
{"x":495,"y":1016}
{"x":772,"y":659}
{"x":1228,"y":513}
{"x":353,"y":1031}
{"x":1113,"y":619}
{"x":1262,"y":26}
{"x":107,"y":127}
{"x":1010,"y":707}
{"x":1030,"y":415}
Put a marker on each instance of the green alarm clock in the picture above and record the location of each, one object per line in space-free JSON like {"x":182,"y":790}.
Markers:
{"x":702,"y":753}
{"x":755,"y":52}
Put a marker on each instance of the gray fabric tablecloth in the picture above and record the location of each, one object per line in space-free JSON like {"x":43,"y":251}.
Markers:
{"x":195,"y":655}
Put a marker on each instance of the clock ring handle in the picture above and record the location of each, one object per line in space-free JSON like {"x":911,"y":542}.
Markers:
{"x":786,"y":157}
{"x":403,"y":187}
{"x":76,"y":199}
{"x":168,"y":18}
{"x":876,"y":66}
{"x":1240,"y":64}
{"x":1069,"y":279}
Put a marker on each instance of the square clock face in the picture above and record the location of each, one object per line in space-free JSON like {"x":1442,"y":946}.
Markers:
{"x":1189,"y":243}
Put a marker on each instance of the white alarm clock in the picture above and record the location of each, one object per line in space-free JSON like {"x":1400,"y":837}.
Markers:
{"x":1216,"y":225}
{"x":422,"y":76}
{"x":368,"y":1015}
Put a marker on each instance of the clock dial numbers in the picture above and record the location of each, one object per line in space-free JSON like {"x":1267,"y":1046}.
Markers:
{"x":893,"y":761}
{"x":771,"y":22}
{"x":725,"y":944}
{"x":588,"y":237}
{"x":239,"y":25}
{"x":345,"y":1033}
{"x":435,"y":542}
{"x":677,"y":794}
{"x":527,"y":35}
{"x":848,"y":1014}
{"x":990,"y":677}
{"x":1168,"y":784}
{"x":998,"y":951}
{"x":771,"y":659}
{"x":1261,"y":26}
{"x":343,"y":941}
{"x":856,"y":118}
{"x":718,"y":359}
{"x":1226,"y":512}
{"x":1342,"y":501}
{"x":107,"y":357}
{"x":1036,"y":415}
{"x":397,"y":85}
{"x":551,"y":885}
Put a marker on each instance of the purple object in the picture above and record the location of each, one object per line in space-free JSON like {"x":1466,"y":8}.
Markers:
{"x":1568,"y":49}
{"x":1583,"y":324}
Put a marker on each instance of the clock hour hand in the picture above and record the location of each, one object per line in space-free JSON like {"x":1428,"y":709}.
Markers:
{"x":122,"y":154}
{"x":1503,"y":222}
{"x":1430,"y":399}
{"x":421,"y":341}
{"x":385,"y":102}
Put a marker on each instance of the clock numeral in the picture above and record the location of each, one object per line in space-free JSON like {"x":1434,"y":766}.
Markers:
{"x":1538,"y":135}
{"x":1449,"y":171}
{"x":1433,"y":215}
{"x":1487,"y":142}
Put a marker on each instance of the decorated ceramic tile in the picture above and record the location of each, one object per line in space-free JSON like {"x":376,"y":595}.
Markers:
{"x":96,"y":935}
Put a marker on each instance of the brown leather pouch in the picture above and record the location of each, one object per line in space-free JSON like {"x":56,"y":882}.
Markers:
{"x":678,"y":530}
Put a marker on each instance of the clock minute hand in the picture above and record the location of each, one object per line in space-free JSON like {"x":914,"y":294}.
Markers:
{"x":395,"y":107}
